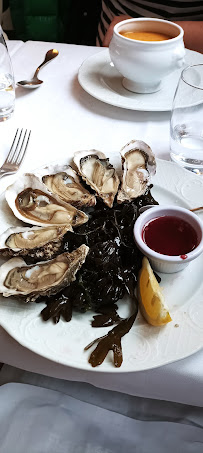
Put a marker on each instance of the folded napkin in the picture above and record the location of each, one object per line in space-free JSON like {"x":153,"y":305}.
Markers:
{"x":39,"y":420}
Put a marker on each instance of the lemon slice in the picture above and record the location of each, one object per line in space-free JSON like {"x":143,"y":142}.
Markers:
{"x":150,"y":298}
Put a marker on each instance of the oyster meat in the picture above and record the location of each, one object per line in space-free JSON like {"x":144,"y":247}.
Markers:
{"x":98,"y":173}
{"x":138,"y":164}
{"x":32,"y":203}
{"x":63,"y":181}
{"x":37,"y":242}
{"x":42,"y":279}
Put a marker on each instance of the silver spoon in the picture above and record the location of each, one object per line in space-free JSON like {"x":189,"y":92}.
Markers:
{"x":35,"y":82}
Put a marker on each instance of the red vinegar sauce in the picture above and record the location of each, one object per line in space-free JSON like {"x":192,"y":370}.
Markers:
{"x":170,"y":235}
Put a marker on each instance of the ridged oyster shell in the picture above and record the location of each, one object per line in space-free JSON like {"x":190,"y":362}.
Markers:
{"x":41,"y":279}
{"x":63,"y":181}
{"x":37,"y":242}
{"x":32,"y":203}
{"x":138,"y":164}
{"x":98,"y":173}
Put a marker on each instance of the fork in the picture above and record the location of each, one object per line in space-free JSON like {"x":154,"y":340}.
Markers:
{"x":16,"y":153}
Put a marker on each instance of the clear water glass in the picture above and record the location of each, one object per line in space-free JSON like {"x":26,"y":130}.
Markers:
{"x":7,"y":83}
{"x":186,"y":126}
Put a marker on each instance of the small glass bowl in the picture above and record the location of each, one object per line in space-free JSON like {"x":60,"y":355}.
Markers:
{"x":166,"y":263}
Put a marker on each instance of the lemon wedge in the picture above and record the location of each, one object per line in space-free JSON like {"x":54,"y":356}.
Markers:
{"x":151,"y":300}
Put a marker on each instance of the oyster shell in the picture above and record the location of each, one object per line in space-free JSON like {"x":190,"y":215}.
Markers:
{"x":63,"y":181}
{"x":98,"y":173}
{"x":138,"y":164}
{"x":37,"y":242}
{"x":32,"y":203}
{"x":41,"y":279}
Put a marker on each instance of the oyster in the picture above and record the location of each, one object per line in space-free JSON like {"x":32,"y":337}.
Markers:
{"x":138,"y":164}
{"x":37,"y":242}
{"x":41,"y":279}
{"x":98,"y":173}
{"x":64,"y":181}
{"x":32,"y":203}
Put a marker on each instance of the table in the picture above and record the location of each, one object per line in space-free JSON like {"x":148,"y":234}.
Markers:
{"x":63,"y":119}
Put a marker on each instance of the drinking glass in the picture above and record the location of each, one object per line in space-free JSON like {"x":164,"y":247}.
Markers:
{"x":7,"y":83}
{"x":186,"y":127}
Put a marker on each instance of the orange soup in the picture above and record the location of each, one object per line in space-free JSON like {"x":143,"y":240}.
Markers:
{"x":145,"y":35}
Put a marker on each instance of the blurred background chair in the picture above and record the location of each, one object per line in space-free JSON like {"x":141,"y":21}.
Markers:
{"x":68,"y":21}
{"x":5,"y":17}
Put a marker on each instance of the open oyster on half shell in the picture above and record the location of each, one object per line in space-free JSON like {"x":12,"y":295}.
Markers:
{"x":37,"y":242}
{"x":63,"y":181}
{"x":98,"y":173}
{"x":138,"y":164}
{"x":32,"y":203}
{"x":42,"y":279}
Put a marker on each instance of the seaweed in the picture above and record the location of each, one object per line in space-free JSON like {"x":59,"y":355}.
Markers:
{"x":112,"y":342}
{"x":107,"y":315}
{"x":109,"y":272}
{"x":112,"y":264}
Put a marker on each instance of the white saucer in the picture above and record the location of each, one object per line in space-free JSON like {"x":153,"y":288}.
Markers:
{"x":98,"y":76}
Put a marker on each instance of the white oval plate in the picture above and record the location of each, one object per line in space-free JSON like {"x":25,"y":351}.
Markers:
{"x":144,"y":347}
{"x":98,"y":76}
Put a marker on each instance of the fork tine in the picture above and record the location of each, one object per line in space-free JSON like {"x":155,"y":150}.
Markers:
{"x":16,"y":150}
{"x":9,"y":157}
{"x":22,"y":151}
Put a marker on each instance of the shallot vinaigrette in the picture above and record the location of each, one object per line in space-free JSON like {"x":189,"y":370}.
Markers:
{"x":170,"y":235}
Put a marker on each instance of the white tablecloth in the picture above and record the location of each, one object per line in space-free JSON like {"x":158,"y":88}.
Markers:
{"x":42,"y":420}
{"x":63,"y":119}
{"x":38,"y":420}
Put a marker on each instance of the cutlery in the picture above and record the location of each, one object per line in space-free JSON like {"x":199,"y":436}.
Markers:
{"x":16,"y":153}
{"x":35,"y":82}
{"x":197,"y":209}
